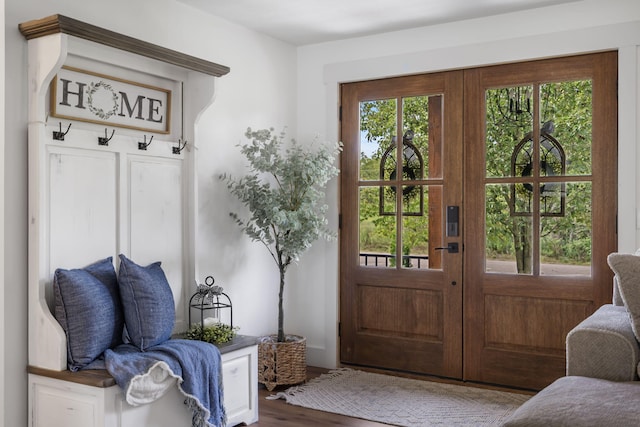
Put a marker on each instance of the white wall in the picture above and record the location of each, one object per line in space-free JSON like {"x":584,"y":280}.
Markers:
{"x":259,"y":91}
{"x":577,"y":27}
{"x":2,"y":317}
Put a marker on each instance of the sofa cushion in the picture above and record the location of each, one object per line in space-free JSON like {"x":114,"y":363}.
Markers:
{"x":580,"y":401}
{"x":149,"y":309}
{"x":627,"y":270}
{"x":617,"y":298}
{"x":87,"y":306}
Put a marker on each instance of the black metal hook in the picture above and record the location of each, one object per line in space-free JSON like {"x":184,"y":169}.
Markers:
{"x":145,"y":144}
{"x":59,"y":136}
{"x":104,"y":140}
{"x":181,"y":146}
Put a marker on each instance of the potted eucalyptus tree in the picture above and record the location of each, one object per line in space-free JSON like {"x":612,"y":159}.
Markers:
{"x":284,"y":192}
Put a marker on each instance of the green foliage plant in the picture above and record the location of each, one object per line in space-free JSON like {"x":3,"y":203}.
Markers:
{"x":217,"y":333}
{"x":284,"y":193}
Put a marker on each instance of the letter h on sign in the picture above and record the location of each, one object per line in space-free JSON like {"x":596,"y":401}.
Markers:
{"x":66,"y":92}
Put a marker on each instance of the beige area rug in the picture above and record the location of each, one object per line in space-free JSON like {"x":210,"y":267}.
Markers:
{"x":401,"y":401}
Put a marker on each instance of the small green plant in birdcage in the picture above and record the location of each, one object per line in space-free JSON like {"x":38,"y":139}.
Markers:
{"x":217,"y":333}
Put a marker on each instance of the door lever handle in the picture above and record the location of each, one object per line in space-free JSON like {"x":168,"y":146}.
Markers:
{"x":451,"y":247}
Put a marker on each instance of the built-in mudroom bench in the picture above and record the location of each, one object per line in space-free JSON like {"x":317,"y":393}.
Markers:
{"x":92,"y":398}
{"x":112,"y":188}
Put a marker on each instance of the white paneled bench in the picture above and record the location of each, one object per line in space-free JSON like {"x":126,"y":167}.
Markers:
{"x":92,"y":398}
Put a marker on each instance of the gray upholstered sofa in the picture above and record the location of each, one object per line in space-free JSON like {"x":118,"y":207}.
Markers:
{"x":603,"y":361}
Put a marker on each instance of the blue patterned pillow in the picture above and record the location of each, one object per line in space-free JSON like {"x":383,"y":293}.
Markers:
{"x":149,"y":310}
{"x":87,"y":306}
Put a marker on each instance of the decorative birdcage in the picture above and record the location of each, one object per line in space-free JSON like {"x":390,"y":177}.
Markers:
{"x":210,"y":300}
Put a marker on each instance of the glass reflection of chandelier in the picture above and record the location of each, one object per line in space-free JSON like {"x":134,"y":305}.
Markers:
{"x":412,"y":169}
{"x":514,"y":103}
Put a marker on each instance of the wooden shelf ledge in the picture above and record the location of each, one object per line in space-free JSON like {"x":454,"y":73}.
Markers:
{"x":90,"y":377}
{"x":62,"y":24}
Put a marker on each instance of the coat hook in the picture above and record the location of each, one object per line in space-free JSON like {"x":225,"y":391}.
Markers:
{"x":180,"y":147}
{"x":104,"y":140}
{"x":145,"y":144}
{"x":59,"y":136}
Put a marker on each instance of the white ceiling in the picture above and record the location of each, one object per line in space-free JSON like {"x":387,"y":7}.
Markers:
{"x":301,"y":22}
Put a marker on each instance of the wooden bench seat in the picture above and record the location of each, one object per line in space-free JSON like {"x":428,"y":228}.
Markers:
{"x":90,"y":377}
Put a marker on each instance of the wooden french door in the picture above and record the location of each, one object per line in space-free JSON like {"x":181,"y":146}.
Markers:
{"x":540,"y":179}
{"x":401,"y":296}
{"x":470,"y":249}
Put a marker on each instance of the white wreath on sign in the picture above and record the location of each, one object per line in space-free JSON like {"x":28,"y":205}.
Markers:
{"x":93,"y":87}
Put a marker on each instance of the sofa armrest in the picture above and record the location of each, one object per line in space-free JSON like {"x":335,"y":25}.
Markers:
{"x":603,"y":346}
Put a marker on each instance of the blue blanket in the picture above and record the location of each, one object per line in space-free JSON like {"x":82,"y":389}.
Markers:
{"x":194,"y":366}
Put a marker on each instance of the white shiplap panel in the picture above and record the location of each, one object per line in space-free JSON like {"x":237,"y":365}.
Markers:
{"x":156,"y":227}
{"x":82,"y":206}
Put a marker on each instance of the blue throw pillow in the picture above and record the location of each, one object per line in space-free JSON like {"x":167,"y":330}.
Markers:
{"x":87,"y":306}
{"x":149,"y":310}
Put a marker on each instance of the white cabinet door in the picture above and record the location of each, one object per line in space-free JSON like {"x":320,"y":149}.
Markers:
{"x":58,"y":403}
{"x":240,"y":382}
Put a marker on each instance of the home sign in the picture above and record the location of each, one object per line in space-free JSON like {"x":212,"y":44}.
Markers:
{"x":96,"y":98}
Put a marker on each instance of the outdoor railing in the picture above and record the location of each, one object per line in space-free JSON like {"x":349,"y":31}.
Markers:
{"x":385,"y":260}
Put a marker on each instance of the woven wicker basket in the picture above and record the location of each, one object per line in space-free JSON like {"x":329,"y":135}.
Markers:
{"x":282,"y":363}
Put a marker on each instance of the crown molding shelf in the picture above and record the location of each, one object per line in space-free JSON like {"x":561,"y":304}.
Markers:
{"x":62,"y":24}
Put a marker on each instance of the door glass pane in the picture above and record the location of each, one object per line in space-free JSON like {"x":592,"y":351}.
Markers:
{"x":562,"y":148}
{"x":565,"y":118}
{"x":421,"y":158}
{"x":377,"y":232}
{"x":387,"y":199}
{"x":422,"y":137}
{"x":565,"y":240}
{"x":378,"y":122}
{"x":508,"y":237}
{"x":509,"y":122}
{"x":418,"y":231}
